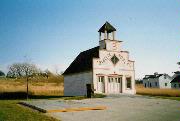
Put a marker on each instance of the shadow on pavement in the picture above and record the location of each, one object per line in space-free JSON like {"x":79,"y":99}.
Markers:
{"x":23,"y":95}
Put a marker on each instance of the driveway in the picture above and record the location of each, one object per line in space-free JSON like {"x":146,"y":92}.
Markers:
{"x":119,"y":108}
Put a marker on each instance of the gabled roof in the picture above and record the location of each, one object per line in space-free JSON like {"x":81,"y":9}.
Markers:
{"x":83,"y":61}
{"x":107,"y":27}
{"x":176,"y":79}
{"x":177,"y":72}
{"x":152,"y":76}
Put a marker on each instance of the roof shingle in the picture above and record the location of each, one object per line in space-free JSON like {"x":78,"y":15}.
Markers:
{"x":176,"y":79}
{"x":107,"y":27}
{"x":83,"y":61}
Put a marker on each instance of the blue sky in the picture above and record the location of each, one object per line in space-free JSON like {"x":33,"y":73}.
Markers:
{"x":51,"y":33}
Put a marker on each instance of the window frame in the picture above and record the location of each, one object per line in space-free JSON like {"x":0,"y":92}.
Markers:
{"x":129,"y":85}
{"x":174,"y":85}
{"x":156,"y":84}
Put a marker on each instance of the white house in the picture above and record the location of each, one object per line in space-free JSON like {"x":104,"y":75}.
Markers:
{"x":106,"y":67}
{"x":175,"y":83}
{"x":157,"y":81}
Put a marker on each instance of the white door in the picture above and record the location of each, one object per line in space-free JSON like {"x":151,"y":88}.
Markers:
{"x":119,"y":84}
{"x":101,"y":85}
{"x":110,"y":85}
{"x":114,"y":84}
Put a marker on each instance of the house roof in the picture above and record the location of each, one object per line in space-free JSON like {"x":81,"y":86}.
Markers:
{"x":152,"y":76}
{"x":176,"y":79}
{"x":177,"y":72}
{"x":107,"y":27}
{"x":83,"y":61}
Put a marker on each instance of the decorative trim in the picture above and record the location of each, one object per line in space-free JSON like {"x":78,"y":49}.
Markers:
{"x":103,"y":68}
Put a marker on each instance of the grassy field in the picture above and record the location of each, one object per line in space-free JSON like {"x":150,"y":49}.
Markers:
{"x":160,"y":93}
{"x":40,"y":87}
{"x":11,"y":111}
{"x":53,"y":86}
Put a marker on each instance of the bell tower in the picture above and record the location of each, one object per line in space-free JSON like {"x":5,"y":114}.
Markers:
{"x":108,"y":30}
{"x":107,"y":38}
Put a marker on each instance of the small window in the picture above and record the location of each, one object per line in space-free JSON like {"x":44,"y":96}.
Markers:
{"x":175,"y":85}
{"x":128,"y":82}
{"x":101,"y":79}
{"x":164,"y":76}
{"x":156,"y":84}
{"x":109,"y":80}
{"x":165,"y":84}
{"x":119,"y":79}
{"x":150,"y":84}
{"x":145,"y":84}
{"x":116,"y":80}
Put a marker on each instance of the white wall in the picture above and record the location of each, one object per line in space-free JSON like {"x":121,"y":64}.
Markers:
{"x":75,"y":84}
{"x":160,"y":82}
{"x":103,"y":66}
{"x":152,"y":82}
{"x":163,"y":80}
{"x":110,"y":44}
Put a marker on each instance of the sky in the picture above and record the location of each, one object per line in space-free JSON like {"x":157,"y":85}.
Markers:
{"x":51,"y":33}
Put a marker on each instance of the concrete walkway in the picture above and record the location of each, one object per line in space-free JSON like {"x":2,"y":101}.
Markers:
{"x":119,"y":108}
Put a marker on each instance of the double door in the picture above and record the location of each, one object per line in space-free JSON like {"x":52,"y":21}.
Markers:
{"x":114,"y":84}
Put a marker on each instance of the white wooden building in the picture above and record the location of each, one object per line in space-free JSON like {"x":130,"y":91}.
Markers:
{"x":106,"y":67}
{"x":157,"y":81}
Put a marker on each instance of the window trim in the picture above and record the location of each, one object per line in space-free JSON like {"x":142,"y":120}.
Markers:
{"x":130,"y":82}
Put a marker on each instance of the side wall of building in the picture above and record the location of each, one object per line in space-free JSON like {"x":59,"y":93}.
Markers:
{"x":151,"y":83}
{"x":75,"y":84}
{"x":164,"y":82}
{"x":175,"y":85}
{"x":161,"y":82}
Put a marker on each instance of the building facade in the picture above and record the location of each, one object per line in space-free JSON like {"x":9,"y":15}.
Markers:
{"x":106,"y":67}
{"x":157,"y":81}
{"x":175,"y":83}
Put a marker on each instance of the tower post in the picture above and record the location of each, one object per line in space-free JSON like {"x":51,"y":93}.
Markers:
{"x":113,"y":34}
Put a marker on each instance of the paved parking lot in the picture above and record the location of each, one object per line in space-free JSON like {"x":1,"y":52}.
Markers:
{"x":119,"y":108}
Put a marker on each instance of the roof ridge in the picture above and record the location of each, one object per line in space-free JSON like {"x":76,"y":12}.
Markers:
{"x":89,"y":49}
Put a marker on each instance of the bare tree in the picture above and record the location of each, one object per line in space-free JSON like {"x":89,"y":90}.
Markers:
{"x":47,"y":73}
{"x":15,"y":70}
{"x":26,"y":70}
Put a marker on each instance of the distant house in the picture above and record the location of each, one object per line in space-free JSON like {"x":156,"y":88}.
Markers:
{"x":175,"y":83}
{"x":157,"y":81}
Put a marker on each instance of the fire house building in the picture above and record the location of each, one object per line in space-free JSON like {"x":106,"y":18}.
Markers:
{"x":106,"y":67}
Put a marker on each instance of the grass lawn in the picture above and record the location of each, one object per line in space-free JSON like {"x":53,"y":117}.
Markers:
{"x":52,"y":86}
{"x":157,"y":92}
{"x":172,"y":94}
{"x":11,"y":111}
